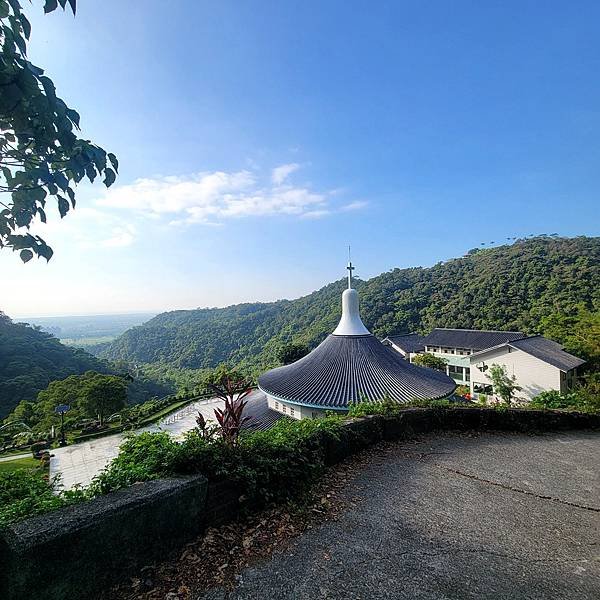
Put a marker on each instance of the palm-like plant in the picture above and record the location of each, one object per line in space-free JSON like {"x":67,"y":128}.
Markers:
{"x":231,"y":387}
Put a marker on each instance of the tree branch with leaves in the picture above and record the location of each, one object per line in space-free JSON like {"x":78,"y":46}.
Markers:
{"x":41,"y":155}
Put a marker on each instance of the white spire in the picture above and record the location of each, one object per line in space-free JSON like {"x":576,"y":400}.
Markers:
{"x":350,"y":323}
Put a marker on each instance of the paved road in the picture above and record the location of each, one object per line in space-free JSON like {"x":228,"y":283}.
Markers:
{"x":513,"y":517}
{"x":80,"y":463}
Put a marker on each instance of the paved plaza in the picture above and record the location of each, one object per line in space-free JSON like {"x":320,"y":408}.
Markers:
{"x":79,"y":463}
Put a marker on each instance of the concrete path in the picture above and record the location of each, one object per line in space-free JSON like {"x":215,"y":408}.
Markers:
{"x":15,"y":457}
{"x":495,"y":516}
{"x":80,"y":463}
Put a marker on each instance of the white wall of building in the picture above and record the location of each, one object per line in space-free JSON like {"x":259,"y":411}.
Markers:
{"x":294,"y":410}
{"x":533,"y":375}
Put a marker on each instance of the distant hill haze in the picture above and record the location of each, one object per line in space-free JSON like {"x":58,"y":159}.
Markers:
{"x":88,"y":329}
{"x":509,"y":287}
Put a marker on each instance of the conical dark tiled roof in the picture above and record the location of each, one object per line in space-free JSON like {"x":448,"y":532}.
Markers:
{"x":345,"y":369}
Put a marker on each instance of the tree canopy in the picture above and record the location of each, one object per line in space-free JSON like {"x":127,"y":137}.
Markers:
{"x":41,"y":155}
{"x":289,"y":353}
{"x":91,"y":395}
{"x":430,"y":360}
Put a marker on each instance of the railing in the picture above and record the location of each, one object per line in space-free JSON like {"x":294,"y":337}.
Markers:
{"x":180,"y":414}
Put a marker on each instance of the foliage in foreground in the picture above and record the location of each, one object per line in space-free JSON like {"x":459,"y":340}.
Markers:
{"x":26,"y":492}
{"x":41,"y":157}
{"x":269,"y":466}
{"x":585,"y":398}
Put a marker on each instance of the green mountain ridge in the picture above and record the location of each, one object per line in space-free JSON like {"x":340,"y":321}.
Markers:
{"x":509,"y":287}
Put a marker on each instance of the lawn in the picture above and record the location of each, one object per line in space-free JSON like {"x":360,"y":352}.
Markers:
{"x":19,"y":463}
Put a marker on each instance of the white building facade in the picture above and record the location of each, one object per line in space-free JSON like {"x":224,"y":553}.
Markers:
{"x":537,"y":364}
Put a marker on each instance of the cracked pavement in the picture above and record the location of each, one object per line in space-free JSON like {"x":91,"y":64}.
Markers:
{"x":453,"y":517}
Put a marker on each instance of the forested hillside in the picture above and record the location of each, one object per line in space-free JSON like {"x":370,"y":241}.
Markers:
{"x":508,"y":287}
{"x":30,"y":359}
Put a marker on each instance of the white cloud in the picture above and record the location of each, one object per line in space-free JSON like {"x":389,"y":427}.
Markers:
{"x":213,"y":197}
{"x":87,"y":227}
{"x":120,"y":237}
{"x":281,"y":173}
{"x":356,"y":205}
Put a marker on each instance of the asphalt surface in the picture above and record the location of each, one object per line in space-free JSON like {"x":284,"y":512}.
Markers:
{"x":493,"y":516}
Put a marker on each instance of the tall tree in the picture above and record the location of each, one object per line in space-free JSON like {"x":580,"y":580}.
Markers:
{"x":103,"y":395}
{"x":578,"y":331}
{"x":41,"y":156}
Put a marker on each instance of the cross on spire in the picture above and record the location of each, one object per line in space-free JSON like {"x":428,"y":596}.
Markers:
{"x":350,"y":269}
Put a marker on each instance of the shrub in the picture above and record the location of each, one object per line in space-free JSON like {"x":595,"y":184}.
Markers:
{"x":26,"y":492}
{"x":388,"y":407}
{"x":585,"y":398}
{"x":142,"y":457}
{"x":267,"y":465}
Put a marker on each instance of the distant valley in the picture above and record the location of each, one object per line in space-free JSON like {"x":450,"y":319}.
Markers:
{"x":88,"y":330}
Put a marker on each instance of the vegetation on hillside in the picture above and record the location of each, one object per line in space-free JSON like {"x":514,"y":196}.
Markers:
{"x":522,"y":286}
{"x":30,"y":359}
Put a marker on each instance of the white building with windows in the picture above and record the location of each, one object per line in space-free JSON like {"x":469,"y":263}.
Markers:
{"x":453,"y":345}
{"x":539,"y":364}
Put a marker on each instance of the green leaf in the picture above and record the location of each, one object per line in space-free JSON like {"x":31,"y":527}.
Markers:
{"x":49,"y":88}
{"x":113,"y":161}
{"x":26,"y":255}
{"x":26,"y":25}
{"x":73,"y":116}
{"x":63,"y":206}
{"x":50,"y":5}
{"x":4,"y":9}
{"x":44,"y":250}
{"x":71,"y":195}
{"x":109,"y":177}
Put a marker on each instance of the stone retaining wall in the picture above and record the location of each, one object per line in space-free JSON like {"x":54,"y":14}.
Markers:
{"x":80,"y":550}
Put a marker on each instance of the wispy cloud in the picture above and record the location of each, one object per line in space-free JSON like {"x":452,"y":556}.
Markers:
{"x":281,"y":173}
{"x":120,"y":237}
{"x":212,"y":197}
{"x":356,"y":205}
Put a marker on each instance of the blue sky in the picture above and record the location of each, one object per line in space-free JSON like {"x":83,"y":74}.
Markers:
{"x":257,"y":139}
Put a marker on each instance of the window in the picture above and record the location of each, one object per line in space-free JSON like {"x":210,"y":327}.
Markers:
{"x":292,"y":411}
{"x":483,"y":388}
{"x":276,"y":405}
{"x":284,"y":408}
{"x":467,"y":374}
